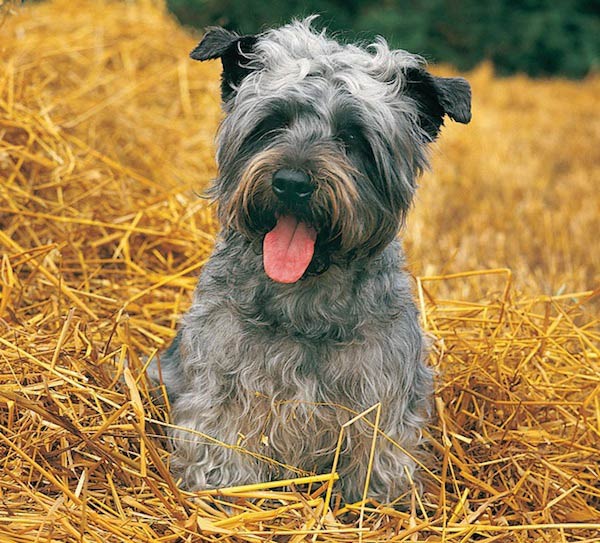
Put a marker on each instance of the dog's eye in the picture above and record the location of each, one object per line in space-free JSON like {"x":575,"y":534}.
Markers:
{"x":269,"y":125}
{"x":351,"y":137}
{"x":266,"y":131}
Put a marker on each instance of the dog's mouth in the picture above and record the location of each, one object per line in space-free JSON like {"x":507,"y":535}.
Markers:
{"x":288,"y":249}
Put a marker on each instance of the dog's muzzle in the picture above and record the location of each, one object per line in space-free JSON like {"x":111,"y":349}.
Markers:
{"x":292,"y":186}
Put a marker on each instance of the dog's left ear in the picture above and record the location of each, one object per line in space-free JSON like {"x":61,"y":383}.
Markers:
{"x":436,"y":97}
{"x":232,"y":49}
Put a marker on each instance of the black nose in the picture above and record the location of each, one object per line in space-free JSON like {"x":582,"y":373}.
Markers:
{"x":292,"y":185}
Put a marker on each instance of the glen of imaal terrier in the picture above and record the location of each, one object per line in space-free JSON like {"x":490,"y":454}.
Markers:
{"x":304,"y":316}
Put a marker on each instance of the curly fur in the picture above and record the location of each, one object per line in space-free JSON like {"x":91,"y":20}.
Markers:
{"x":275,"y":369}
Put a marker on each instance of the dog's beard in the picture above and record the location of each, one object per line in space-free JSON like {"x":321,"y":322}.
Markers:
{"x":300,"y":239}
{"x":288,"y":237}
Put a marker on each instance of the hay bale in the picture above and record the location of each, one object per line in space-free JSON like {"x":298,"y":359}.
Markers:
{"x":105,"y":137}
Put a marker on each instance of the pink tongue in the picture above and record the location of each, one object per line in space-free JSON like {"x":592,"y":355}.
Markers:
{"x":288,"y":249}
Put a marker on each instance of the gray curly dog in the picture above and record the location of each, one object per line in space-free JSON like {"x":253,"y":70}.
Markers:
{"x":304,"y":315}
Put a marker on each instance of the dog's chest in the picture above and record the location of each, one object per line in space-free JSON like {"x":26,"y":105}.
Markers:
{"x":281,"y":368}
{"x":311,"y":346}
{"x":290,"y":409}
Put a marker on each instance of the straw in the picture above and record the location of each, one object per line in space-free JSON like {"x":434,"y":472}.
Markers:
{"x":106,"y":143}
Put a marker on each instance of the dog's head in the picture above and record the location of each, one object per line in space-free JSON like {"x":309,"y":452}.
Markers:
{"x":322,"y":143}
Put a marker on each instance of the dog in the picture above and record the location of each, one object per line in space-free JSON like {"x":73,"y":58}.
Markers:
{"x":304,"y":316}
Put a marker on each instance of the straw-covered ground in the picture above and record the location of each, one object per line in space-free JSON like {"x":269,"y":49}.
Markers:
{"x":106,"y":133}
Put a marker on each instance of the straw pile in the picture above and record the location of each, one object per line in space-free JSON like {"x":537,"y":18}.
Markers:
{"x":106,"y":137}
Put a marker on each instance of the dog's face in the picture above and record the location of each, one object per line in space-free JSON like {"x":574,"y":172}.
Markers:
{"x":322,"y":143}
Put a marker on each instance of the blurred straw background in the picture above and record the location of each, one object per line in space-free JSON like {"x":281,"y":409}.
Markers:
{"x":106,"y":140}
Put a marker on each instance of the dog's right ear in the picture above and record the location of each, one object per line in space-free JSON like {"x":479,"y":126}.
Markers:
{"x":232,"y":49}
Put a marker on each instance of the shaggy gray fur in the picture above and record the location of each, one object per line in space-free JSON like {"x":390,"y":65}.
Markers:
{"x":276,"y":369}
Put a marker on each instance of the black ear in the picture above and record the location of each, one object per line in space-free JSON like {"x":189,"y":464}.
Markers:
{"x":436,"y":97}
{"x":232,"y":49}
